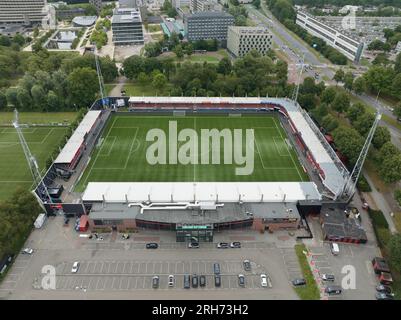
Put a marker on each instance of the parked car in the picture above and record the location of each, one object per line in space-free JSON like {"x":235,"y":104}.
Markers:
{"x":298,"y":282}
{"x":194,"y":281}
{"x":171,"y":280}
{"x":384,"y":296}
{"x":241,"y":280}
{"x":217,"y":280}
{"x":216,"y":268}
{"x":155,"y":282}
{"x":152,"y":245}
{"x":27,"y":251}
{"x":75,"y":267}
{"x":223,"y":245}
{"x":333,"y":290}
{"x":235,"y":244}
{"x":263,"y":280}
{"x":125,"y":236}
{"x":202,"y":281}
{"x":334,"y":248}
{"x":328,"y":277}
{"x":384,"y":289}
{"x":247,"y":265}
{"x":187,"y":281}
{"x":193,"y":245}
{"x":385,"y":278}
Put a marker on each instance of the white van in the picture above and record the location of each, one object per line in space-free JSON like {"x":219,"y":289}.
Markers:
{"x":335,"y":249}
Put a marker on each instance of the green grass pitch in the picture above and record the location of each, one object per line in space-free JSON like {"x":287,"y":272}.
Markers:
{"x":14,"y":170}
{"x":120,"y":155}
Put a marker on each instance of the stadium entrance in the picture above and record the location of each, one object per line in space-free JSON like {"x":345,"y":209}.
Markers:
{"x":194,"y":233}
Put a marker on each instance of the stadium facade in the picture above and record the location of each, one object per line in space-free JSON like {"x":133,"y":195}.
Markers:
{"x":195,"y":206}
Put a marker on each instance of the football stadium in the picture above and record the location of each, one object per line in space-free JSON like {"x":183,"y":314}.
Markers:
{"x":194,"y":165}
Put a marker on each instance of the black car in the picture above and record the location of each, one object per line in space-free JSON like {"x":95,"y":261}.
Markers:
{"x":298,"y":282}
{"x":187,"y":281}
{"x":216,"y":268}
{"x":217,"y":280}
{"x":384,"y":296}
{"x":384,"y":289}
{"x":202,"y":281}
{"x":241,"y":280}
{"x":247,"y":265}
{"x":194,"y":281}
{"x":152,"y":245}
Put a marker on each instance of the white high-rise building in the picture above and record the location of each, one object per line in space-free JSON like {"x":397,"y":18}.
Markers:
{"x":25,"y":12}
{"x":241,"y":40}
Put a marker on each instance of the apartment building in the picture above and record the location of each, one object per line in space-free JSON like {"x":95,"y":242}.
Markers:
{"x":202,"y":5}
{"x":126,"y":25}
{"x":24,"y":12}
{"x":241,"y":40}
{"x":350,"y":47}
{"x":208,"y":25}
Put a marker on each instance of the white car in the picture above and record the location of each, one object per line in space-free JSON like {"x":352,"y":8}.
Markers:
{"x":27,"y":251}
{"x":263,"y":280}
{"x":75,"y":267}
{"x":171,"y":280}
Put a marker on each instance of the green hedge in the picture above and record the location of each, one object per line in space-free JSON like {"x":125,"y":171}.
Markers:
{"x":310,"y":291}
{"x":363,"y":184}
{"x":380,"y":227}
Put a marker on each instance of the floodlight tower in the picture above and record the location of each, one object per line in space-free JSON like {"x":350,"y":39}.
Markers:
{"x":296,"y":89}
{"x":350,"y":184}
{"x":31,"y":160}
{"x":99,"y":75}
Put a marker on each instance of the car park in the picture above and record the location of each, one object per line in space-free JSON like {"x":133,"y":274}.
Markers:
{"x":155,"y":282}
{"x":171,"y":280}
{"x":202,"y":281}
{"x":383,"y":296}
{"x":152,"y":245}
{"x":187,"y":281}
{"x":247,"y":265}
{"x":216,"y":268}
{"x":194,"y":281}
{"x":27,"y":251}
{"x":235,"y":244}
{"x":384,"y":289}
{"x":223,"y":245}
{"x":193,"y":245}
{"x":75,"y":267}
{"x":298,"y":282}
{"x":328,"y":277}
{"x":241,"y":280}
{"x":263,"y":280}
{"x":217,"y":280}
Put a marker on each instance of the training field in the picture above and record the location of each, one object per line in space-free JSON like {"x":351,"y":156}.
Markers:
{"x":14,"y":170}
{"x":121,"y":153}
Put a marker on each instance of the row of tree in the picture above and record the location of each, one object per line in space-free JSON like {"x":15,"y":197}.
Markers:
{"x":252,"y":75}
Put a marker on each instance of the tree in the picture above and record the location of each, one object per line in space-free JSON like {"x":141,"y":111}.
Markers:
{"x":24,"y":99}
{"x":339,"y":75}
{"x":341,"y":102}
{"x":39,"y":96}
{"x":397,"y":64}
{"x":348,"y":80}
{"x":397,"y":111}
{"x":153,"y":49}
{"x":179,"y":52}
{"x":328,"y":95}
{"x":359,"y":85}
{"x":387,"y":150}
{"x":394,"y":246}
{"x":224,"y":66}
{"x":349,"y":142}
{"x":82,"y":86}
{"x":390,"y":168}
{"x":53,"y":101}
{"x":11,"y":94}
{"x":133,"y":66}
{"x":364,"y":123}
{"x":3,"y":101}
{"x":355,"y":111}
{"x":381,"y":136}
{"x":143,"y":79}
{"x":159,"y":81}
{"x":189,"y":49}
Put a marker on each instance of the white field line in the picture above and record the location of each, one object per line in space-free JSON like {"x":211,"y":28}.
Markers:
{"x":293,"y":161}
{"x":278,"y":149}
{"x":108,"y":153}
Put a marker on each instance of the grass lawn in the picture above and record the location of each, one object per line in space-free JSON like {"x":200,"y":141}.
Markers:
{"x":122,"y":153}
{"x":310,"y":291}
{"x":154,"y":28}
{"x":38,"y":117}
{"x":391,"y":121}
{"x":137,"y":89}
{"x":14,"y":170}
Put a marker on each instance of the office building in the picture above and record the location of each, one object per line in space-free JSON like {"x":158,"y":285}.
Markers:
{"x":350,"y":47}
{"x":208,"y":25}
{"x":126,"y":25}
{"x":127,"y":4}
{"x":202,"y":5}
{"x":181,"y":3}
{"x":241,"y":40}
{"x":25,"y":12}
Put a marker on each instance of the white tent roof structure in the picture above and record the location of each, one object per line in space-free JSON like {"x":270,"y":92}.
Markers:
{"x":200,"y":191}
